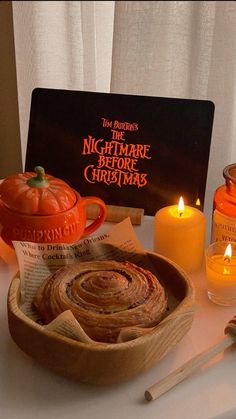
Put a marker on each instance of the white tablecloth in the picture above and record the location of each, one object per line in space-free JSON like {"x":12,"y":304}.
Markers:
{"x":29,"y":391}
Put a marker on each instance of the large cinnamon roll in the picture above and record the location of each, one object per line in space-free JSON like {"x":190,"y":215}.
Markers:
{"x":104,"y":296}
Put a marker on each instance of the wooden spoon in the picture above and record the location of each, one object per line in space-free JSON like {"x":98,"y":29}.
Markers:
{"x":161,"y":387}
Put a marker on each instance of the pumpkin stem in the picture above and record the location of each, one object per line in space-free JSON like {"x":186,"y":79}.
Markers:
{"x":38,"y":181}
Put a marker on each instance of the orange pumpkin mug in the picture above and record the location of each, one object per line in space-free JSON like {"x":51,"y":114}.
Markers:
{"x":44,"y":209}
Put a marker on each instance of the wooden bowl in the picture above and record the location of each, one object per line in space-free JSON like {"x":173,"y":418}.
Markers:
{"x":103,"y":363}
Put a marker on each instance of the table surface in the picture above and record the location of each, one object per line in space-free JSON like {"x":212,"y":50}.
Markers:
{"x":28,"y":390}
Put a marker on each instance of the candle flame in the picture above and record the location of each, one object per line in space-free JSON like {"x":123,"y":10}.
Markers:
{"x":228,"y":253}
{"x":181,"y":206}
{"x":198,"y":202}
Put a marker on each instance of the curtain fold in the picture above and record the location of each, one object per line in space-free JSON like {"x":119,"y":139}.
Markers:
{"x":57,"y":45}
{"x":184,"y":49}
{"x":10,"y":146}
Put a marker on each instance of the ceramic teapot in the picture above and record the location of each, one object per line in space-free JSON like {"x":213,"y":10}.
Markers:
{"x":40,"y":208}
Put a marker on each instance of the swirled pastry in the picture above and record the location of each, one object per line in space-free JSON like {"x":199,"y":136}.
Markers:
{"x":104,"y":296}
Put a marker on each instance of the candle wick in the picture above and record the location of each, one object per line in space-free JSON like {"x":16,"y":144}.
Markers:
{"x":181,"y":213}
{"x":227,"y":259}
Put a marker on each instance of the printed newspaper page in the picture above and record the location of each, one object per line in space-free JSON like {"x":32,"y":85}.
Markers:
{"x":37,"y":261}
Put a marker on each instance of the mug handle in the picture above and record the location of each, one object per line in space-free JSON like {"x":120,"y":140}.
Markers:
{"x":87,"y":200}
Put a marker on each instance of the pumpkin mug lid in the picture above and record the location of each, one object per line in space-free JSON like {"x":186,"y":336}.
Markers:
{"x":36,"y":193}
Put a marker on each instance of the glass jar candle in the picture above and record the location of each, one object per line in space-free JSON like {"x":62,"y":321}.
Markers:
{"x":224,"y":208}
{"x":221,"y":273}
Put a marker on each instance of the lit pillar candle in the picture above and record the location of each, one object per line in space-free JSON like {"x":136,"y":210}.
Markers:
{"x":179,"y":234}
{"x":221,"y":273}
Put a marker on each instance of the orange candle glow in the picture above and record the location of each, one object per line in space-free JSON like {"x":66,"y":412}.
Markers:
{"x":179,"y":235}
{"x":221,"y":273}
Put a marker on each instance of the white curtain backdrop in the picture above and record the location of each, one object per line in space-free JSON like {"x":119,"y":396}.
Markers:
{"x":61,"y":44}
{"x":184,"y":49}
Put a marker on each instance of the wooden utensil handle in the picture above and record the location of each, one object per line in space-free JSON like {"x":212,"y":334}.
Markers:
{"x":188,"y":368}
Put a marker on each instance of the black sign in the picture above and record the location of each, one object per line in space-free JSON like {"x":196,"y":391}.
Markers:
{"x":134,"y":151}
